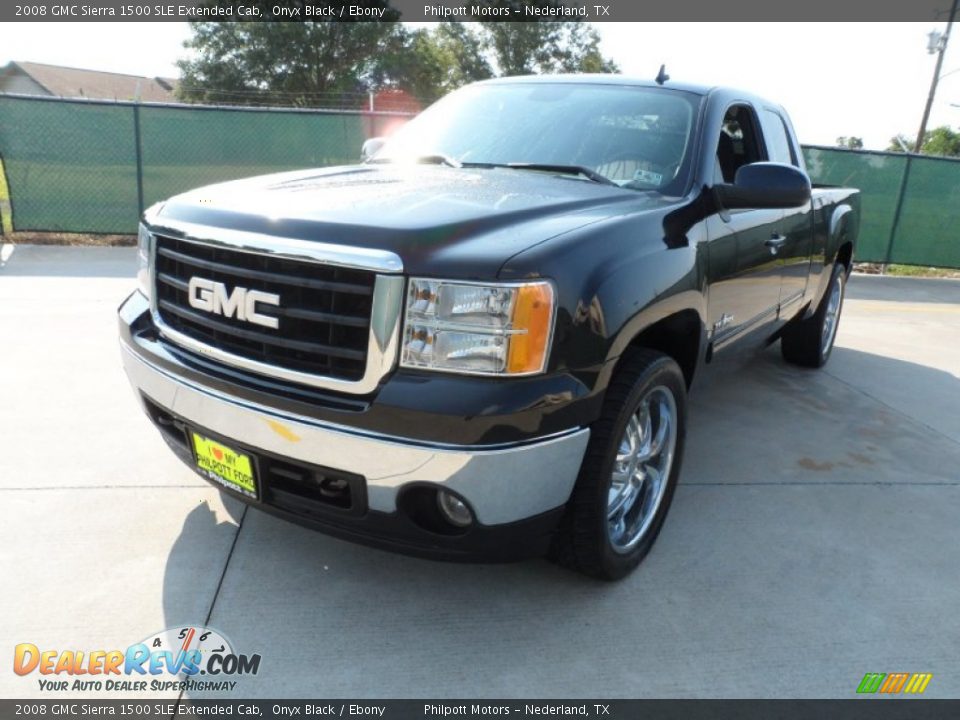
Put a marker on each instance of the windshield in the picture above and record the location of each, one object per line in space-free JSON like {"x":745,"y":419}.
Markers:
{"x":638,"y":137}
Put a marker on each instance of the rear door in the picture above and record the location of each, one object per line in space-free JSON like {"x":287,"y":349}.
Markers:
{"x":796,"y":233}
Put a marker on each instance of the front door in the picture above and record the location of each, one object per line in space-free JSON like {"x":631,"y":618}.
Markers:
{"x":744,"y":267}
{"x":745,"y":295}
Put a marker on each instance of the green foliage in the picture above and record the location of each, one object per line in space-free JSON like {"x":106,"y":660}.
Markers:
{"x":6,"y":221}
{"x":336,"y":63}
{"x":921,"y":271}
{"x":291,"y":63}
{"x":852,"y":142}
{"x":941,"y":141}
{"x":428,"y":63}
{"x":524,"y":48}
{"x":900,"y":143}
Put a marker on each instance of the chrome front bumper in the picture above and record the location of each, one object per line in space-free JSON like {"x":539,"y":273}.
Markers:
{"x":503,"y":484}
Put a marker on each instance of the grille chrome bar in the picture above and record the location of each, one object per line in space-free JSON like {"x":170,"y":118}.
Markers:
{"x":385,"y":303}
{"x":340,"y":319}
{"x":259,"y":336}
{"x":261,"y":275}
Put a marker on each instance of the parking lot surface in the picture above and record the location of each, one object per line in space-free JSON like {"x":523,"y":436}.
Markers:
{"x":814,"y":536}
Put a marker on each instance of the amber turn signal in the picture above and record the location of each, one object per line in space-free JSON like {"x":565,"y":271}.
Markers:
{"x":532,"y":317}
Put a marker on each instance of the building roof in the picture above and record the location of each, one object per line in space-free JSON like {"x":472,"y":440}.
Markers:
{"x":75,"y":82}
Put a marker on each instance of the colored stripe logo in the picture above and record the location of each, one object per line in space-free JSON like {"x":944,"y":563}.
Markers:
{"x":894,"y":683}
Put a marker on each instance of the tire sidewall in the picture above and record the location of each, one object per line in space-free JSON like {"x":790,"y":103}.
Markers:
{"x":837,"y":273}
{"x":663,"y":372}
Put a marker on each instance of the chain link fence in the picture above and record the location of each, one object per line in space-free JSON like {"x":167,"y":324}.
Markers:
{"x":93,"y":166}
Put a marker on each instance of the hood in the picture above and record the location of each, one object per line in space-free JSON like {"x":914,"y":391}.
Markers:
{"x":456,"y":222}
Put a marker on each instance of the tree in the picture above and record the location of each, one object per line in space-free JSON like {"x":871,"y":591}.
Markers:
{"x":941,"y":141}
{"x":545,"y":48}
{"x":852,"y":142}
{"x":541,"y":47}
{"x":466,"y":49}
{"x":430,"y":62}
{"x":290,"y":63}
{"x":900,"y":143}
{"x":337,"y":63}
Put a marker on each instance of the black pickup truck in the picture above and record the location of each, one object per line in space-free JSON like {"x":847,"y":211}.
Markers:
{"x":477,"y":344}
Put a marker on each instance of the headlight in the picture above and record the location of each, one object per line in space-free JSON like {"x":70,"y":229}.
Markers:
{"x":144,"y":239}
{"x":478,"y":329}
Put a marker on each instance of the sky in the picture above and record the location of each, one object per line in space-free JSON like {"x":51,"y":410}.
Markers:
{"x":865,"y":79}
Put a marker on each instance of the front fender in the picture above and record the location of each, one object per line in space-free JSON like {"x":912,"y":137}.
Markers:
{"x":662,"y":285}
{"x":615,"y":279}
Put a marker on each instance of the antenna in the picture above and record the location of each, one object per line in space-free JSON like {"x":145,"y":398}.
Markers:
{"x":662,"y":76}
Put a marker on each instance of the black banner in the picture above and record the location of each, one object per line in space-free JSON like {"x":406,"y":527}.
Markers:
{"x":145,"y":709}
{"x":474,"y":10}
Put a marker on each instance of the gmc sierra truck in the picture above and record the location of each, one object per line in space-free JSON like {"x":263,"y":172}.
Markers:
{"x":477,"y":344}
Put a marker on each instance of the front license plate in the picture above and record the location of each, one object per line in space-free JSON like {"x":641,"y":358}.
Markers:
{"x":224,"y":465}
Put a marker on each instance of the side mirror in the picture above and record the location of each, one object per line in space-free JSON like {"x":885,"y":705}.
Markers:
{"x":371,"y":147}
{"x":765,"y":185}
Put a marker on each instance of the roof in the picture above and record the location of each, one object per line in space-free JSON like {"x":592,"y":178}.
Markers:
{"x":726,"y":93}
{"x":600,"y":79}
{"x":76,"y":82}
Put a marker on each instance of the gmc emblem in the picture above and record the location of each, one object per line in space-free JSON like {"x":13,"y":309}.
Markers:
{"x":213,"y":297}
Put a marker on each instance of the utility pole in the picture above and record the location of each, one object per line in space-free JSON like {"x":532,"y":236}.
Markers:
{"x":936,"y":77}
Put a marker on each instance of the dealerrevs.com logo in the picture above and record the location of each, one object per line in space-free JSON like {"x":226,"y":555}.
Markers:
{"x":185,"y":658}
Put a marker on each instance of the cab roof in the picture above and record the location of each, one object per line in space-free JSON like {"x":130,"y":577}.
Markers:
{"x":727,"y":94}
{"x":599,"y":79}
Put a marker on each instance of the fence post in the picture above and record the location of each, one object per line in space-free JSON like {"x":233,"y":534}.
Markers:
{"x":139,"y":152}
{"x":896,"y":213}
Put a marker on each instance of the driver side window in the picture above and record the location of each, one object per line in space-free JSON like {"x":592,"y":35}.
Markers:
{"x":737,"y":145}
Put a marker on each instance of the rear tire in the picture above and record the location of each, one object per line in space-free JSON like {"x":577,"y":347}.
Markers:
{"x":809,"y":342}
{"x":629,"y":472}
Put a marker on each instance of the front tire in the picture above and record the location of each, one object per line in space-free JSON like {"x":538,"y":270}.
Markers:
{"x":629,"y":472}
{"x":809,"y":342}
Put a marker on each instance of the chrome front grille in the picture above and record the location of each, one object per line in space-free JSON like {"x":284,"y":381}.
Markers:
{"x":336,"y":326}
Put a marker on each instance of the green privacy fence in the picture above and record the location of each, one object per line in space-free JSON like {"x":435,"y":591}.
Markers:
{"x":91,"y":167}
{"x":910,"y":203}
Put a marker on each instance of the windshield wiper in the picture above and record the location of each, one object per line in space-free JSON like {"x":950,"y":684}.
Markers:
{"x":434,"y":159}
{"x":546,"y":167}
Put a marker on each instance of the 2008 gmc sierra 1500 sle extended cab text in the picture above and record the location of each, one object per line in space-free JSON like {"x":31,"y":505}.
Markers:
{"x":478,"y":343}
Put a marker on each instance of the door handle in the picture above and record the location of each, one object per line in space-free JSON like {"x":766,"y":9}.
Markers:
{"x":775,"y":243}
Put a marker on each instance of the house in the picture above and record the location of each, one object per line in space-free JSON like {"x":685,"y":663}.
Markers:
{"x":29,"y":78}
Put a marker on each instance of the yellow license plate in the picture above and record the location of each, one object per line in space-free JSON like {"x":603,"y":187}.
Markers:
{"x":224,"y":465}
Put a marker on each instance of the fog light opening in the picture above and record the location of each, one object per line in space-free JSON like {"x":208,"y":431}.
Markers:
{"x":334,"y":487}
{"x":454,"y":510}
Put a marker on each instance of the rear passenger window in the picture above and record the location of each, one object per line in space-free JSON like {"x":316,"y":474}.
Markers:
{"x":738,"y":145}
{"x":779,"y":148}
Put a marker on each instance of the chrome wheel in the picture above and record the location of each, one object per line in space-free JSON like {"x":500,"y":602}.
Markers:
{"x":831,"y":316}
{"x":641,"y":469}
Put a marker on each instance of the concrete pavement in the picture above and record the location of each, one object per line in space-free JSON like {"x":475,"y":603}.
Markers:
{"x":814,"y":536}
